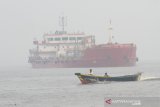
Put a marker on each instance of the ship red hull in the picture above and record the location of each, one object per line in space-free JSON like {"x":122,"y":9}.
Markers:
{"x":107,"y":55}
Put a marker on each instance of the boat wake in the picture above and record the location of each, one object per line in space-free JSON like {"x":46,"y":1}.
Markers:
{"x":150,"y":79}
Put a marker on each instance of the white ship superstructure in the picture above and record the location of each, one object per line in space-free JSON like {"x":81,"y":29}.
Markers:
{"x":61,"y":45}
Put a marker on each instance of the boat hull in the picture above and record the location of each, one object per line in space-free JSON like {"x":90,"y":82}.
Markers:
{"x":93,"y":78}
{"x":107,"y":55}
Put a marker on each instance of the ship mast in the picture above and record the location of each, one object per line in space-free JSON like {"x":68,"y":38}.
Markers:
{"x":63,"y":23}
{"x":110,"y":32}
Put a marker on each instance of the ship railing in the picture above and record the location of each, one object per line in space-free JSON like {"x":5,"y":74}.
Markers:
{"x":34,"y":51}
{"x":116,"y":45}
{"x":52,"y":59}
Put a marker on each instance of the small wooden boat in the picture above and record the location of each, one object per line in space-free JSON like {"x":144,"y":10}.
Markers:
{"x":90,"y":78}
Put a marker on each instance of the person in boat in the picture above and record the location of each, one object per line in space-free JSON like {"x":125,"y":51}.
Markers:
{"x":90,"y":72}
{"x":106,"y":74}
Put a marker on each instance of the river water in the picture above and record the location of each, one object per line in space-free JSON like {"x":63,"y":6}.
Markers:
{"x":59,"y":87}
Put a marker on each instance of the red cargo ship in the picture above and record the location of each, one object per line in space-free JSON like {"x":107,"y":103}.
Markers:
{"x":73,"y":50}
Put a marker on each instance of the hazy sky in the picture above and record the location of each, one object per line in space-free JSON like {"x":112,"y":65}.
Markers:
{"x":21,"y":21}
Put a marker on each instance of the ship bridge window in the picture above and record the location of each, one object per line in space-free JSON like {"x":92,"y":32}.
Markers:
{"x":72,"y":38}
{"x":64,"y":38}
{"x":50,"y":39}
{"x":57,"y":39}
{"x":79,"y":38}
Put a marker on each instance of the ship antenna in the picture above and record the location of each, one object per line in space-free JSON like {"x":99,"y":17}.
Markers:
{"x":110,"y":32}
{"x":63,"y":22}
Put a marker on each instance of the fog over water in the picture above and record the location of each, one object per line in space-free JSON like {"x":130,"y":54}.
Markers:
{"x":21,"y":21}
{"x":134,"y":21}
